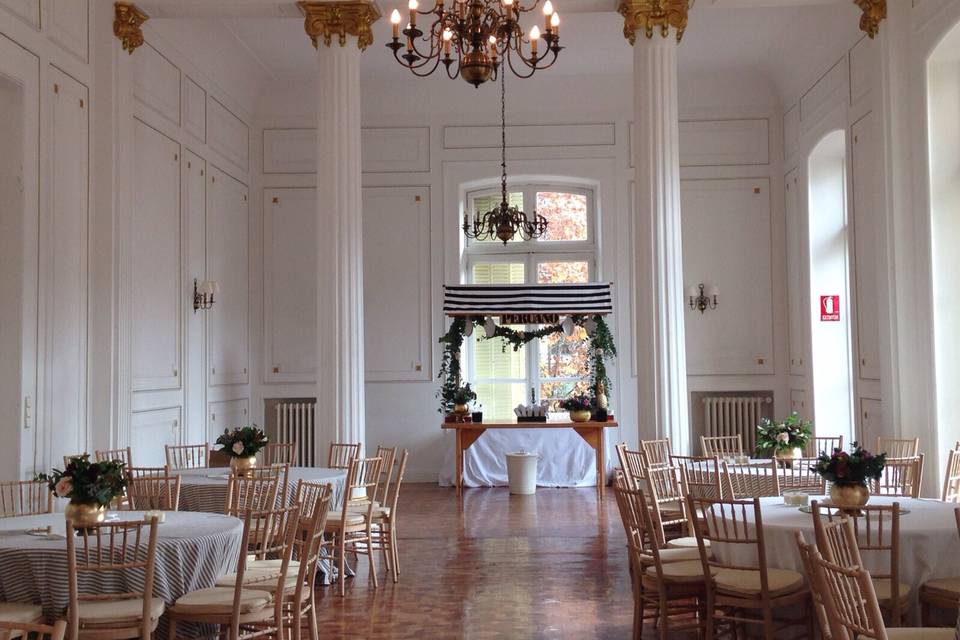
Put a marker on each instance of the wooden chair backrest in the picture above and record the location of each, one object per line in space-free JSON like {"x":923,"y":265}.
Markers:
{"x":701,"y":475}
{"x":822,"y":444}
{"x":251,"y":493}
{"x":144,"y":472}
{"x":901,"y":477}
{"x":188,"y":456}
{"x":665,"y":501}
{"x":280,"y":453}
{"x":850,"y":600}
{"x":24,"y":498}
{"x":632,"y":464}
{"x":57,"y":631}
{"x":635,"y":516}
{"x":68,"y":458}
{"x":951,"y":478}
{"x":806,"y":557}
{"x":105,"y":455}
{"x":393,"y":496}
{"x":314,"y":500}
{"x":153,"y":493}
{"x":800,"y":476}
{"x":363,"y":476}
{"x":389,"y":457}
{"x":898,"y":447}
{"x":751,"y":479}
{"x":722,"y":446}
{"x":282,"y":473}
{"x":340,"y":454}
{"x":737,"y":523}
{"x":656,"y":452}
{"x":111,"y":551}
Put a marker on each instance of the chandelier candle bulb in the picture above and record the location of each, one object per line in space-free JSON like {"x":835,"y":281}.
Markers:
{"x":395,"y":21}
{"x":555,"y":24}
{"x":413,"y":5}
{"x":447,"y":36}
{"x":547,"y":13}
{"x":534,"y":39}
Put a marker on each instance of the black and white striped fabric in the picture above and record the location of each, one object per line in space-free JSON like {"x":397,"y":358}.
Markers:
{"x":561,"y":299}
{"x":193,"y":550}
{"x":206,"y":489}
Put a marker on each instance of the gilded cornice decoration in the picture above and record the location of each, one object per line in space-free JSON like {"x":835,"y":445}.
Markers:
{"x":328,"y":19}
{"x":651,"y":15}
{"x":874,"y":12}
{"x":127,"y":20}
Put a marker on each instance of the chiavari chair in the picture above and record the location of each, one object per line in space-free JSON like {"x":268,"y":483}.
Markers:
{"x":667,"y":579}
{"x":385,"y":517}
{"x":244,"y":612}
{"x":656,"y":452}
{"x":340,"y":454}
{"x":110,"y":551}
{"x":735,"y":589}
{"x":280,"y":453}
{"x":668,"y":507}
{"x":942,"y":593}
{"x":700,"y":475}
{"x":875,"y":532}
{"x":898,"y":447}
{"x":901,"y":477}
{"x":751,"y":479}
{"x":24,"y":498}
{"x":10,"y":630}
{"x":951,"y":478}
{"x":106,"y":455}
{"x":633,"y":465}
{"x":722,"y":446}
{"x":153,"y":493}
{"x":388,"y":455}
{"x":806,"y":551}
{"x":17,"y":619}
{"x":801,"y":477}
{"x":145,"y":472}
{"x":352,"y":527}
{"x":822,"y":444}
{"x":251,"y":493}
{"x":852,"y":606}
{"x":68,"y":458}
{"x":279,"y":471}
{"x":188,"y":456}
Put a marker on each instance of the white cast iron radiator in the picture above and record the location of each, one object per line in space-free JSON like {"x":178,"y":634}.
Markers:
{"x":295,"y":423}
{"x":732,"y":415}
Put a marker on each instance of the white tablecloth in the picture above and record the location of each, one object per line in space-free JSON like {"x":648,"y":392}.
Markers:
{"x":929,"y":545}
{"x":193,"y":550}
{"x":565,"y":459}
{"x":206,"y":489}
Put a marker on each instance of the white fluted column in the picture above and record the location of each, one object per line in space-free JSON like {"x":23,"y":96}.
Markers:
{"x":660,"y":341}
{"x":340,"y":31}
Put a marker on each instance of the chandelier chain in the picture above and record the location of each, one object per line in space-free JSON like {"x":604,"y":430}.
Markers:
{"x":503,"y":135}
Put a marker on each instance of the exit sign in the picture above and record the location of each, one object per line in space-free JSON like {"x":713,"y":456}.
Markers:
{"x":829,"y":308}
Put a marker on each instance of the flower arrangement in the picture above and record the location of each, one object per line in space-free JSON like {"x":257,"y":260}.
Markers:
{"x":244,"y":442}
{"x":774,"y":437}
{"x":855,"y":467}
{"x":463,"y":395}
{"x":577,"y":403}
{"x":85,"y":482}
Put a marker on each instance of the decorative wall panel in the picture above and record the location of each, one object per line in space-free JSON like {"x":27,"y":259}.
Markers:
{"x":798,"y":402}
{"x":791,"y":131}
{"x":194,"y":239}
{"x":28,"y":10}
{"x":150,"y":432}
{"x":227,"y":134}
{"x":798,"y":320}
{"x":831,"y":90}
{"x":385,"y":150}
{"x":871,"y":421}
{"x":227,"y":414}
{"x":724,"y":142}
{"x":67,"y":23}
{"x":867,"y":219}
{"x":156,"y":85}
{"x":864,"y":70}
{"x":529,"y":135}
{"x":194,"y":109}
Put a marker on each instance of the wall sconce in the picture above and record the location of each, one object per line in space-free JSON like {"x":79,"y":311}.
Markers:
{"x":203,"y":293}
{"x":700,"y":301}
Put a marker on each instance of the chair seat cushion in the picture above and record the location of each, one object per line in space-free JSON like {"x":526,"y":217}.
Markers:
{"x":378,"y":510}
{"x":20,"y":612}
{"x":684,"y":571}
{"x":945,"y":587}
{"x":219,"y":600}
{"x":273,"y":563}
{"x":747,"y":581}
{"x":117,"y":612}
{"x":686,"y":541}
{"x":914,"y":633}
{"x":674,"y":555}
{"x":353,"y":519}
{"x":883,"y":588}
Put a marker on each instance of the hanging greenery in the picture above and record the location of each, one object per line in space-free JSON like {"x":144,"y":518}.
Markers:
{"x":602,"y":349}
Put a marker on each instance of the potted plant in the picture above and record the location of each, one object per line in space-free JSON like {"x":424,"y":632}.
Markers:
{"x":89,"y":486}
{"x":242,"y":445}
{"x":783,"y":440}
{"x":579,"y":407}
{"x":461,"y":397}
{"x":848,"y":474}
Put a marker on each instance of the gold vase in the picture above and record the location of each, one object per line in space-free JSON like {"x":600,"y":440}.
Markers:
{"x":243,"y":466}
{"x":580,"y":416}
{"x":85,"y":514}
{"x":850,"y":497}
{"x":461,"y":409}
{"x":786,"y":458}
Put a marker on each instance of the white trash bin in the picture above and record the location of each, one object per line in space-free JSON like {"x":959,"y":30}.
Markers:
{"x":522,"y":472}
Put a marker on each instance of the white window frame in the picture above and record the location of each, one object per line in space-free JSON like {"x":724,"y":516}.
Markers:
{"x":530,"y":253}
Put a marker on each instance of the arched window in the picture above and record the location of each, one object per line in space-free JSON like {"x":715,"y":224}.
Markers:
{"x":552,"y":368}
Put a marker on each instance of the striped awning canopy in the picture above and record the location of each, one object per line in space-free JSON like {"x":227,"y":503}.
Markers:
{"x":537,"y":300}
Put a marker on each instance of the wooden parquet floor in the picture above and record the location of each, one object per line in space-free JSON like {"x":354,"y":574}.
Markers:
{"x":493,"y":566}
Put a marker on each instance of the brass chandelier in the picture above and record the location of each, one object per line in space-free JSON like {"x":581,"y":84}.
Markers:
{"x":474,"y":38}
{"x":504,"y":221}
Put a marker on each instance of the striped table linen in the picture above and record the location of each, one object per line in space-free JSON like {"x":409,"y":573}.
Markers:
{"x":206,"y":489}
{"x":193,"y":550}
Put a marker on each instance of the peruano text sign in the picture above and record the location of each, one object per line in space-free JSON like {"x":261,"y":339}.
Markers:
{"x":829,"y":308}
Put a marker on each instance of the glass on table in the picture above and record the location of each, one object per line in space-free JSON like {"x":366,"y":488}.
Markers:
{"x":796,"y":498}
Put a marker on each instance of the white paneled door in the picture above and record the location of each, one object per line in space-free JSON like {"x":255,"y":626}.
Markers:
{"x":866,"y":221}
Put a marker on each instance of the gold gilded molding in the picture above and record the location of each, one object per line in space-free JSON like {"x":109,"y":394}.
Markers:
{"x":328,"y":19}
{"x":651,"y":15}
{"x":127,"y":20}
{"x":874,"y":12}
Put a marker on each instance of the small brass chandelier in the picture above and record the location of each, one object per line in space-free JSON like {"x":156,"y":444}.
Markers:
{"x":504,"y":221}
{"x":475,"y":38}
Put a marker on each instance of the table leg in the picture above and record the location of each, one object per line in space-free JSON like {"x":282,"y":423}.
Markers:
{"x":601,"y":468}
{"x":459,"y":476}
{"x":593,"y":436}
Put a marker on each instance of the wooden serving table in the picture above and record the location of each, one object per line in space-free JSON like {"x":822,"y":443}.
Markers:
{"x":591,"y":432}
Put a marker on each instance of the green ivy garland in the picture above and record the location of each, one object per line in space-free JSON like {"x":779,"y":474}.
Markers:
{"x":602,"y":349}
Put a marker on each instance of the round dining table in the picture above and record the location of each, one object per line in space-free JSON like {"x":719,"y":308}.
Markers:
{"x":929,"y":542}
{"x":205,"y":489}
{"x":193,"y":550}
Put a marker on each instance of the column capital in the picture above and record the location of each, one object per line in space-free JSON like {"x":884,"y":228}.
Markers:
{"x":649,"y":15}
{"x":327,"y":19}
{"x":127,"y":20}
{"x":874,"y":12}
